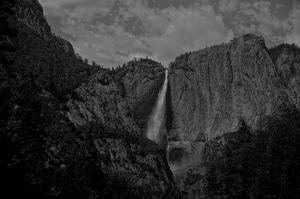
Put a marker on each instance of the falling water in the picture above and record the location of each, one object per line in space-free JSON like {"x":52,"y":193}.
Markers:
{"x":156,"y":129}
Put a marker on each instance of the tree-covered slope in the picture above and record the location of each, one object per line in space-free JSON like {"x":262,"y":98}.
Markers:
{"x":42,"y":151}
{"x":47,"y":62}
{"x":257,"y":164}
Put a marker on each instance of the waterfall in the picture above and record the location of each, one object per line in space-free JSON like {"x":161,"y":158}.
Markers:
{"x":156,"y":130}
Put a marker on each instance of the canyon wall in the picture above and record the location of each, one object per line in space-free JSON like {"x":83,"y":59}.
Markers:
{"x":209,"y":92}
{"x":142,"y":84}
{"x":101,"y":100}
{"x":98,"y":115}
{"x":31,"y":13}
{"x":287,"y":61}
{"x":123,"y":100}
{"x":212,"y":89}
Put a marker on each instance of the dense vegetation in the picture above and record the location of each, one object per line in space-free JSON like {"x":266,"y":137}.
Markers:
{"x":41,"y":151}
{"x":259,"y":164}
{"x":275,"y":51}
{"x":142,"y":65}
{"x":45,"y":61}
{"x":59,"y":73}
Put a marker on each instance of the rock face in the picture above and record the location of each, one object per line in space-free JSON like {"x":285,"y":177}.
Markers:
{"x":102,"y":101}
{"x":118,"y":101}
{"x":112,"y":101}
{"x":147,"y":171}
{"x":30,"y":12}
{"x":123,"y":101}
{"x":209,"y":92}
{"x":287,"y":61}
{"x":142,"y":85}
{"x":139,"y":161}
{"x":213,"y":88}
{"x":65,"y":45}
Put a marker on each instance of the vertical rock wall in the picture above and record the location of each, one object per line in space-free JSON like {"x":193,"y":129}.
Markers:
{"x":287,"y":61}
{"x":142,"y":86}
{"x":212,"y":89}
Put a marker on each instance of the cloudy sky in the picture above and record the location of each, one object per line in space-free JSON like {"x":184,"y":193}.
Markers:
{"x":112,"y":32}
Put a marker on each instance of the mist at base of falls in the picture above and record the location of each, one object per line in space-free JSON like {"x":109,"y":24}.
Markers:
{"x":156,"y":129}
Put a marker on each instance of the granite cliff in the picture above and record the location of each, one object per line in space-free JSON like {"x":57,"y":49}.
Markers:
{"x":212,"y":90}
{"x":142,"y":85}
{"x":123,"y":100}
{"x":287,"y":61}
{"x":68,"y":128}
{"x":90,"y":121}
{"x":101,"y":100}
{"x":142,"y":165}
{"x":30,"y":12}
{"x":223,"y":83}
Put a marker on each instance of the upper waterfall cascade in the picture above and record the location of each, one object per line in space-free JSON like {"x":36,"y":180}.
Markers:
{"x":156,"y":121}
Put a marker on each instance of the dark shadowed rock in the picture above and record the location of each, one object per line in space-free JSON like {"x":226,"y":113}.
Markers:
{"x":127,"y":156}
{"x":31,"y":13}
{"x":102,"y":100}
{"x":65,"y":45}
{"x":72,"y":150}
{"x":123,"y":101}
{"x":142,"y":83}
{"x":287,"y":60}
{"x":142,"y":168}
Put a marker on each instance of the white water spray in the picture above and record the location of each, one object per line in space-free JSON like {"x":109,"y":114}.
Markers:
{"x":155,"y":131}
